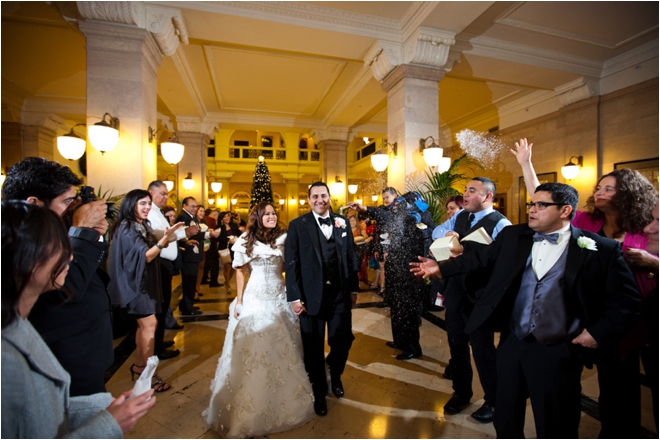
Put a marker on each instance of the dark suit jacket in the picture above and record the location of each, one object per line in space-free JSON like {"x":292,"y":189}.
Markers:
{"x":304,"y":264}
{"x":599,"y":286}
{"x":189,"y":255}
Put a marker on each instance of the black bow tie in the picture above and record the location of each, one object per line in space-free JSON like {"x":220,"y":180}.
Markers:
{"x":325,"y":221}
{"x":552,"y":238}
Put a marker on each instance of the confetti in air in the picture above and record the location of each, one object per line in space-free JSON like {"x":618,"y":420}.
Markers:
{"x":482,"y":147}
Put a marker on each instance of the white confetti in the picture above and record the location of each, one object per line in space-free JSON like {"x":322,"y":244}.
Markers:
{"x":485,"y":148}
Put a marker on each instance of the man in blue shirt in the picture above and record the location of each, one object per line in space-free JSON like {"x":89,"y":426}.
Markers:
{"x":459,"y":296}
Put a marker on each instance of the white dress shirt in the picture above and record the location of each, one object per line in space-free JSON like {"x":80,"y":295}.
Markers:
{"x":159,"y":223}
{"x":546,"y":254}
{"x":327,"y":230}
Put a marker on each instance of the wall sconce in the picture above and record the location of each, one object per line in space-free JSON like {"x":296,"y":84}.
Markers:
{"x":571,"y":170}
{"x":445,"y":164}
{"x":365,"y":140}
{"x":302,"y":202}
{"x":104,"y":135}
{"x":381,"y":159}
{"x":234,"y":201}
{"x":188,"y":183}
{"x":216,"y":186}
{"x":71,"y":146}
{"x":432,"y":153}
{"x":281,"y":202}
{"x":211,"y":201}
{"x":374,"y":198}
{"x":358,"y":201}
{"x":169,"y":183}
{"x":222,"y":201}
{"x":292,"y":201}
{"x":352,"y":189}
{"x":171,"y":150}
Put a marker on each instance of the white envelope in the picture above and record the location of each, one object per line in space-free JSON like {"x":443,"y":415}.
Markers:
{"x":441,"y":248}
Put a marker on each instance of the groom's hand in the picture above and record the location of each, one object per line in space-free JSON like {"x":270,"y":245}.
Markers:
{"x":298,"y":307}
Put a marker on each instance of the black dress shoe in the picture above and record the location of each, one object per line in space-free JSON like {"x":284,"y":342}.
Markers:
{"x":168,"y":354}
{"x":167,"y":344}
{"x":320,"y":407}
{"x":337,"y":387}
{"x":216,"y":285}
{"x":191,"y":312}
{"x":456,"y":405}
{"x":485,"y":414}
{"x":176,"y":326}
{"x":406,"y":356}
{"x":391,"y":344}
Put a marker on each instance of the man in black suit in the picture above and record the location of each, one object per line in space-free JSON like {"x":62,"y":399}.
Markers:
{"x":556,"y":293}
{"x":322,"y":286}
{"x":193,"y":254}
{"x":76,"y":321}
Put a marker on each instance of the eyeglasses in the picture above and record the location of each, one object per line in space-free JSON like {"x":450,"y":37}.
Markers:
{"x":542,"y":205}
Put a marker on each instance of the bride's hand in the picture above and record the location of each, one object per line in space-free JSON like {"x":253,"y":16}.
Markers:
{"x":238,"y":309}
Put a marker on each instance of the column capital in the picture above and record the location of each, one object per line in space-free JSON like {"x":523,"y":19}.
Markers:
{"x":411,"y":71}
{"x":49,"y":121}
{"x":577,"y":90}
{"x":334,"y":132}
{"x":165,"y":24}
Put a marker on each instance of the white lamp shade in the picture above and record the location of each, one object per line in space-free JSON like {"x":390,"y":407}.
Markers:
{"x":445,"y":163}
{"x":352,"y":189}
{"x":211,"y":201}
{"x":374,"y":198}
{"x":570,"y":171}
{"x":281,"y":201}
{"x":302,"y":202}
{"x":169,"y":184}
{"x":172,"y":152}
{"x":102,"y":138}
{"x":358,"y":201}
{"x":380,"y":161}
{"x":71,"y":147}
{"x":432,"y":156}
{"x":216,"y":186}
{"x":234,"y":201}
{"x":188,"y":183}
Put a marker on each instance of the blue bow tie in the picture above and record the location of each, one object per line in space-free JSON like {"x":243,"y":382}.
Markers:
{"x":552,"y":238}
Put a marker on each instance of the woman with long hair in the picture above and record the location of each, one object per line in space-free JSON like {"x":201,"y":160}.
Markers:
{"x":619,"y":208}
{"x":35,"y":388}
{"x":134,"y":268}
{"x":227,"y":240}
{"x":260,"y":384}
{"x":453,"y":205}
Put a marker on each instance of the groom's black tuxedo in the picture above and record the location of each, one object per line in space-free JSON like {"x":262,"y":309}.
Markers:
{"x":322,"y":273}
{"x":596,"y":288}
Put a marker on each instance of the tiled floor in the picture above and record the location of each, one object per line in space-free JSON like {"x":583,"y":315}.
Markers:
{"x":385,"y":398}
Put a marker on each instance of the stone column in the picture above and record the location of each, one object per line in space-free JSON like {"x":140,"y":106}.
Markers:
{"x":121,"y":80}
{"x":39,"y":131}
{"x":335,"y":165}
{"x":194,"y":161}
{"x":412,"y":114}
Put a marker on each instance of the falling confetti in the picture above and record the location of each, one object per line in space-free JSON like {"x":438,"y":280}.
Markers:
{"x":485,"y":148}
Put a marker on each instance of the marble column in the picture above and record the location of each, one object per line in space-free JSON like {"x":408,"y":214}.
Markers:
{"x":122,"y":62}
{"x":412,"y":114}
{"x":335,"y":165}
{"x":194,"y":161}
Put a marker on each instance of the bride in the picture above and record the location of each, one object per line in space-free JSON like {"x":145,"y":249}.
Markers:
{"x":260,"y":384}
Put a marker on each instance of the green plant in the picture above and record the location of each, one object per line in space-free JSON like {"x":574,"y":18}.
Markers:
{"x":441,"y":186}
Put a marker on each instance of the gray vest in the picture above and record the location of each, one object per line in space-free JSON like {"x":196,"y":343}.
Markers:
{"x":541,"y":308}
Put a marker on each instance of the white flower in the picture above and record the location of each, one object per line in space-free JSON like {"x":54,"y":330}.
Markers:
{"x":587,"y":243}
{"x":340,"y":223}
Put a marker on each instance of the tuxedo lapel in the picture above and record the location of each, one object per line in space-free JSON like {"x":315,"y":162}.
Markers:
{"x":574,"y":260}
{"x":314,"y":234}
{"x":525,"y":244}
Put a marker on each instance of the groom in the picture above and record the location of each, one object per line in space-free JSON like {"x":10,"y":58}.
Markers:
{"x":322,"y":287}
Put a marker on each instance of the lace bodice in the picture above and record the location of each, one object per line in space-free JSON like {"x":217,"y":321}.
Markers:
{"x":265,"y":267}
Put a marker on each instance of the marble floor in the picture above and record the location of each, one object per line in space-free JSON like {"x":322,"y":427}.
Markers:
{"x":385,"y":398}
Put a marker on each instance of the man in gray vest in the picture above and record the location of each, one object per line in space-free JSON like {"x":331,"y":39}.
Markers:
{"x":556,"y":293}
{"x":459,"y":296}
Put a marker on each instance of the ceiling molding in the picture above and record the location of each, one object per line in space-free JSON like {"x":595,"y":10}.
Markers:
{"x":359,"y":82}
{"x":301,"y":14}
{"x":185,"y":72}
{"x":631,"y":58}
{"x":247,"y":119}
{"x":523,"y":54}
{"x":414,"y":17}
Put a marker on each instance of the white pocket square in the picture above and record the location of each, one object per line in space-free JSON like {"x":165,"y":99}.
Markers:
{"x":343,"y":234}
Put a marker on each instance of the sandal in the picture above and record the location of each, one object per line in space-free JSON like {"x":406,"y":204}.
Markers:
{"x":156,"y":382}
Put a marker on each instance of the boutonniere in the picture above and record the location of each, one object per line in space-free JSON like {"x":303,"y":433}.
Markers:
{"x":340,"y":223}
{"x":587,"y":243}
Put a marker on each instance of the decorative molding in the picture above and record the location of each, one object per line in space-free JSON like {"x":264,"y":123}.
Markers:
{"x":354,"y":88}
{"x":50,"y":121}
{"x":233,"y":119}
{"x":383,"y":57}
{"x":125,"y":12}
{"x":577,"y":90}
{"x":520,"y":53}
{"x":166,"y":26}
{"x":428,"y":47}
{"x":336,"y":133}
{"x":631,"y":58}
{"x":191,"y":124}
{"x":185,"y":72}
{"x":414,"y":16}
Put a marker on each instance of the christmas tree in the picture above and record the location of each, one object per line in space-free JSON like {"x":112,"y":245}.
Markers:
{"x":261,"y":190}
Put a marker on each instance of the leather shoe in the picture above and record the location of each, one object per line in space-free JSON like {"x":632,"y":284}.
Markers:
{"x":168,"y":354}
{"x":485,"y":414}
{"x":167,"y":344}
{"x":191,"y":312}
{"x":177,"y":326}
{"x":391,"y":344}
{"x":456,"y":405}
{"x":337,"y":387}
{"x":320,"y":407}
{"x":406,"y":356}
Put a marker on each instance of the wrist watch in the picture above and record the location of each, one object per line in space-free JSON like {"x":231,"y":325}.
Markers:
{"x":159,"y":246}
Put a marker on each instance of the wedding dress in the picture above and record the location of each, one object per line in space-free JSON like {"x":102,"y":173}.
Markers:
{"x":260,"y":384}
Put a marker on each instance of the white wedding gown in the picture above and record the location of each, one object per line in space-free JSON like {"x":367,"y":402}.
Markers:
{"x":261,"y":385}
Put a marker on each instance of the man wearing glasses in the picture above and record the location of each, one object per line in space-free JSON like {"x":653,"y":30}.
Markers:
{"x":556,"y":293}
{"x":459,"y":296}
